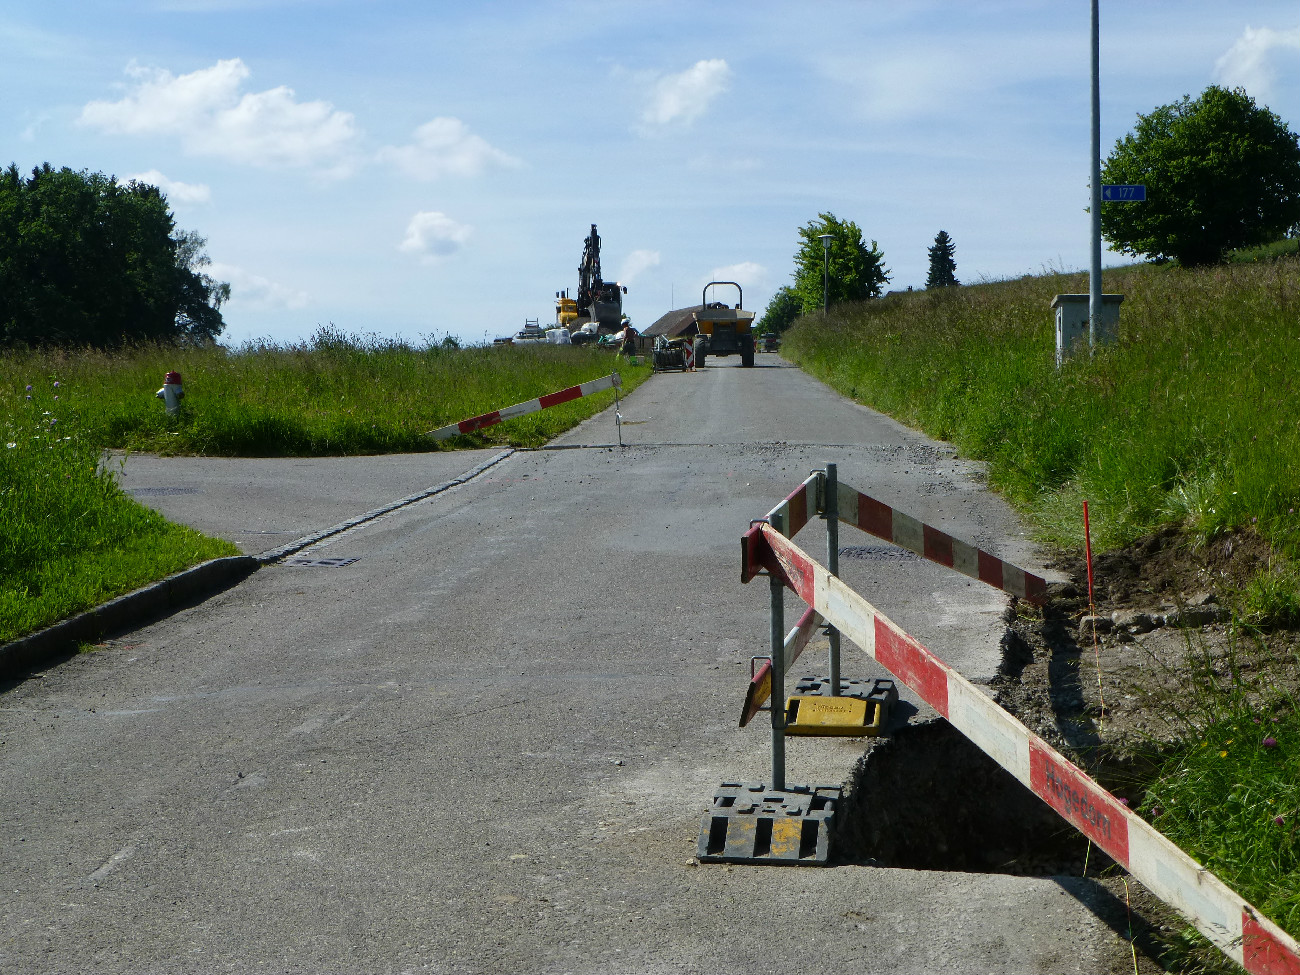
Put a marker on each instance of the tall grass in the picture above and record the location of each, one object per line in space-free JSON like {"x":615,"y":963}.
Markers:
{"x":1190,"y":417}
{"x":335,"y":394}
{"x":72,"y":539}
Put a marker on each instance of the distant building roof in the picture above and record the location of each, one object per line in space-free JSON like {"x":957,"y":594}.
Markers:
{"x":679,"y":321}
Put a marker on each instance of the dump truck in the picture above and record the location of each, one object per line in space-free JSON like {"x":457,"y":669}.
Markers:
{"x":724,"y":330}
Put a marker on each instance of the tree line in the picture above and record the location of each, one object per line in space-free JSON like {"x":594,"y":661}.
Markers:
{"x":86,"y":261}
{"x":1221,"y":172}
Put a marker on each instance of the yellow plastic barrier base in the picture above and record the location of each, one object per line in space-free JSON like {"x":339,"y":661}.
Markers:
{"x":851,"y":717}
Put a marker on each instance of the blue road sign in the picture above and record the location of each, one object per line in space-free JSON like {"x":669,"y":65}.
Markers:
{"x":1124,"y":194}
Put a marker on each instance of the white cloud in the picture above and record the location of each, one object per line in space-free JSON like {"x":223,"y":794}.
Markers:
{"x":433,"y":236}
{"x":445,"y":146}
{"x":211,"y":116}
{"x":1251,"y":64}
{"x":636,"y":263}
{"x":255,"y":291}
{"x":904,"y":84}
{"x":747,"y":274}
{"x":176,"y":192}
{"x":685,"y":96}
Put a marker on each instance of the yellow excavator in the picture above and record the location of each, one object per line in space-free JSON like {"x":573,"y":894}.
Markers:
{"x":598,"y":308}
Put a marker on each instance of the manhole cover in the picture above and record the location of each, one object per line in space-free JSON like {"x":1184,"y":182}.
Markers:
{"x":320,"y":563}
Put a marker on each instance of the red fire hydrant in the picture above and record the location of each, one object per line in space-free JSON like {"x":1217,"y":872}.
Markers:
{"x":172,"y":393}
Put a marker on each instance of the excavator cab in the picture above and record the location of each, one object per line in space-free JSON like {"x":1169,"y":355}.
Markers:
{"x":724,"y":330}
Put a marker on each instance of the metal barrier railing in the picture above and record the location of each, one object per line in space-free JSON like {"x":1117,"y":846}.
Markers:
{"x":791,"y":824}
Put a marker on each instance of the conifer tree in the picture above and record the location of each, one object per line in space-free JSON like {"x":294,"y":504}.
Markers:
{"x":943,"y":268}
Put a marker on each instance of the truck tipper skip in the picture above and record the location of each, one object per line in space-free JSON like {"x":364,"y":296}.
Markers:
{"x":724,"y":330}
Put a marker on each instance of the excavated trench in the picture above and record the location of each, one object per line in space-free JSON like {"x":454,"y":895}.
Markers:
{"x":925,"y":798}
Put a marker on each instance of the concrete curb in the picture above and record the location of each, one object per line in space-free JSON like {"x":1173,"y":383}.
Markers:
{"x":167,"y":595}
{"x":183,"y":589}
{"x":298,"y":544}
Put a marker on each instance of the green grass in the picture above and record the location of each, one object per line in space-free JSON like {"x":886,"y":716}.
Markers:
{"x":1191,"y":417}
{"x":1230,"y":792}
{"x":1234,"y":799}
{"x":1265,"y":252}
{"x":73,"y":539}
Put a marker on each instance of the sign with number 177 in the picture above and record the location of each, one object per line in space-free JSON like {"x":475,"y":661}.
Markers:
{"x":1124,"y":194}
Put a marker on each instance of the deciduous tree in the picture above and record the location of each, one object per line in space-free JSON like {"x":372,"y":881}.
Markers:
{"x":86,"y":261}
{"x":1220,"y":172}
{"x":856,"y":271}
{"x":782,"y":310}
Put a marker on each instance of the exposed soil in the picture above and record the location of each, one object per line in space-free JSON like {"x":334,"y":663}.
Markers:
{"x":1113,"y":688}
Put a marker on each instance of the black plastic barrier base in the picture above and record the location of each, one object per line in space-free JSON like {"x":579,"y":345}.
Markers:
{"x":750,"y":823}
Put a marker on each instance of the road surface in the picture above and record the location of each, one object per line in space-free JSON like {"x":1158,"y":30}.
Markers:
{"x":487,"y":744}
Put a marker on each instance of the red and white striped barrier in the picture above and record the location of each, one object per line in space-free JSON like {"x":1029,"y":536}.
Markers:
{"x":1237,"y":928}
{"x":879,"y":519}
{"x":532,"y":406}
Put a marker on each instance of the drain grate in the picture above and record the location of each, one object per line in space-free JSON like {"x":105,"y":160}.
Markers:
{"x":320,"y":563}
{"x":159,"y":492}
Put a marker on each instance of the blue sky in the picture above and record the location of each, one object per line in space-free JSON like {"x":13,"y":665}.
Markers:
{"x":414,"y":169}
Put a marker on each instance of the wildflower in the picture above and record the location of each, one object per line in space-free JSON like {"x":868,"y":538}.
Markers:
{"x":1123,"y":801}
{"x":29,"y":395}
{"x":1279,"y":820}
{"x":56,"y":386}
{"x":1270,"y":742}
{"x":1157,"y":811}
{"x":29,"y":389}
{"x":11,"y":445}
{"x":56,"y":396}
{"x":1223,"y":754}
{"x":1253,"y":519}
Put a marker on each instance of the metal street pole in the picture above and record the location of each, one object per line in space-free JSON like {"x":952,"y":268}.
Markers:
{"x":1094,"y":209}
{"x":826,"y":270}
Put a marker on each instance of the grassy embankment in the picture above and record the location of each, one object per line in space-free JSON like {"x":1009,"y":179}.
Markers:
{"x":1190,"y":419}
{"x":73,"y":539}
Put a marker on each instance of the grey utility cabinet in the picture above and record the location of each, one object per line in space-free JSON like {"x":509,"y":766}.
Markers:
{"x":1072,"y":323}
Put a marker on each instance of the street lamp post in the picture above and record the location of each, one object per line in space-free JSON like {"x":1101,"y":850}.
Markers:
{"x":826,"y":272}
{"x":1094,"y":244}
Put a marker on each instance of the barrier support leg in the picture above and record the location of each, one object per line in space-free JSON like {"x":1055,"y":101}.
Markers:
{"x":618,"y":417}
{"x":830,"y":486}
{"x":777,"y":593}
{"x":778,"y":684}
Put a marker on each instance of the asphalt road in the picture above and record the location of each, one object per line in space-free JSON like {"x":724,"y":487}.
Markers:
{"x":488,"y":743}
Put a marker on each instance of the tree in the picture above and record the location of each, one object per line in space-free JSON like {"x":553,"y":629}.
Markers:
{"x":86,"y":261}
{"x":782,"y":310}
{"x":943,"y":267}
{"x":856,"y":271}
{"x":1220,"y":173}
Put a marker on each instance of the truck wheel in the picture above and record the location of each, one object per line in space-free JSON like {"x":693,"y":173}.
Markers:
{"x":700,"y":354}
{"x":747,"y":354}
